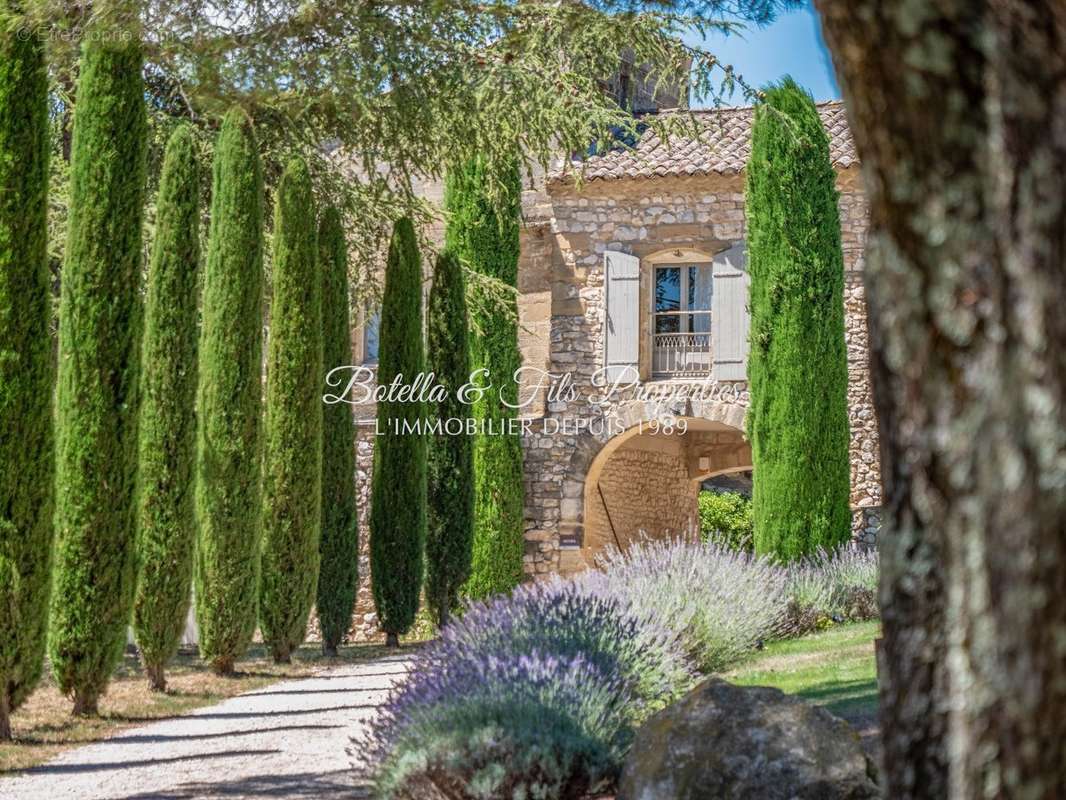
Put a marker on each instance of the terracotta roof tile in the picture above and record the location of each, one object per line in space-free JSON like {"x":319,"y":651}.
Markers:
{"x":723,"y":149}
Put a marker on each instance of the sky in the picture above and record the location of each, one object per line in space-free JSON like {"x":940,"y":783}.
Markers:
{"x":791,"y":45}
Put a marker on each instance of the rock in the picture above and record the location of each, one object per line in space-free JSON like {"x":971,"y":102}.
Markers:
{"x":726,"y":742}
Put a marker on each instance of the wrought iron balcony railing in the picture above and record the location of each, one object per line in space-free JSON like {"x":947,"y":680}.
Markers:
{"x":681,"y":355}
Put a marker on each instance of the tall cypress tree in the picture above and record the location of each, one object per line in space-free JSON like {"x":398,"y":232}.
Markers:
{"x":26,"y":372}
{"x":292,"y":466}
{"x":167,"y":452}
{"x":398,"y":485}
{"x":228,"y":508}
{"x":798,"y":420}
{"x":338,"y":577}
{"x":99,"y":350}
{"x":485,"y":237}
{"x":450,"y":493}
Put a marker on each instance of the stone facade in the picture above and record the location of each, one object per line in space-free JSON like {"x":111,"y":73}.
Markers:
{"x":600,"y":473}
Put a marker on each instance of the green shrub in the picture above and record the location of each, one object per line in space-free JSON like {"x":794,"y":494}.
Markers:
{"x":292,"y":464}
{"x":338,"y":577}
{"x":450,"y":492}
{"x":797,"y":367}
{"x":167,"y":449}
{"x":398,"y":485}
{"x":27,"y":372}
{"x":99,"y":352}
{"x":486,"y":240}
{"x":228,"y":495}
{"x":726,"y":519}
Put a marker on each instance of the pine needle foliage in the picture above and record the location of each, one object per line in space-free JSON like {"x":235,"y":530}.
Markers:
{"x":292,"y":466}
{"x":167,"y":450}
{"x":450,"y":493}
{"x":228,"y":449}
{"x":27,"y":372}
{"x":338,"y":577}
{"x":99,"y":354}
{"x":798,"y":422}
{"x":398,"y":484}
{"x":485,"y":239}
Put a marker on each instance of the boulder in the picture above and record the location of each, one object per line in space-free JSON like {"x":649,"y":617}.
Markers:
{"x":726,"y":742}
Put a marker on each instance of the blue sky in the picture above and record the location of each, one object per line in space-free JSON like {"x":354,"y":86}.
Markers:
{"x":791,"y":45}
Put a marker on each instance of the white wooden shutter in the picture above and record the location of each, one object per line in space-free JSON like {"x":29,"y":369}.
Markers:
{"x":730,"y":319}
{"x":621,"y":324}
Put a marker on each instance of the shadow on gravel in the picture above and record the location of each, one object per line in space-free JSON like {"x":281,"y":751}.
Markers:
{"x":250,"y":714}
{"x":108,"y":766}
{"x":337,"y":785}
{"x":318,"y":691}
{"x":146,"y":737}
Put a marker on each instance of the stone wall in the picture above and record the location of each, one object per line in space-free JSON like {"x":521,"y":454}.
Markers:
{"x":641,"y":491}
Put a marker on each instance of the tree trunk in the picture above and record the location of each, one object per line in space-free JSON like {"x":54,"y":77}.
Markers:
{"x":86,"y":703}
{"x":282,"y":654}
{"x":329,"y":649}
{"x":223,"y":667}
{"x":392,"y":639}
{"x":157,"y":678}
{"x":958,"y":109}
{"x":5,"y":715}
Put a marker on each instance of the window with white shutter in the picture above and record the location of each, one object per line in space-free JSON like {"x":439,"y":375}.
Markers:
{"x":621,"y":334}
{"x":730,"y":317}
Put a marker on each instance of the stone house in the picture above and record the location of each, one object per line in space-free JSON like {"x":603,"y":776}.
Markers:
{"x":635,"y":277}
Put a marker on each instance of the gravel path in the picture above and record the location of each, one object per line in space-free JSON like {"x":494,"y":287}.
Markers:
{"x":289,"y":739}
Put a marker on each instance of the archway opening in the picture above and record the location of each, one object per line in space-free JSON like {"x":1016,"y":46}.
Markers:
{"x":644,"y":483}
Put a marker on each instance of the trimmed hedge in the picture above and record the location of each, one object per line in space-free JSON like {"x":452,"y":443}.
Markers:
{"x":398,"y":486}
{"x":450,"y":527}
{"x":228,"y":449}
{"x":485,"y":238}
{"x":338,"y":577}
{"x":292,"y":467}
{"x":167,"y":451}
{"x":27,"y":372}
{"x":797,"y":367}
{"x":99,"y":354}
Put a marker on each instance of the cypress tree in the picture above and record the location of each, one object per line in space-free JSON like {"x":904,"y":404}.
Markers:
{"x":167,"y":451}
{"x":485,"y":237}
{"x":450,"y":493}
{"x":99,"y":350}
{"x":228,"y":510}
{"x":292,"y":466}
{"x":26,"y":372}
{"x":398,"y":486}
{"x":338,"y":577}
{"x":797,"y":423}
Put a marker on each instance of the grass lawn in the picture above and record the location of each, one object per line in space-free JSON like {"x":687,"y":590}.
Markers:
{"x":43,"y":726}
{"x":834,"y":669}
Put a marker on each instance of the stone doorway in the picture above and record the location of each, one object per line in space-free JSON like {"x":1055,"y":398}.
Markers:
{"x":645,"y":482}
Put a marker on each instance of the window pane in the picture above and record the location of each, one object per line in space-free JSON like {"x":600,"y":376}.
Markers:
{"x":668,"y":289}
{"x":370,"y":336}
{"x":667,"y":323}
{"x":699,"y":288}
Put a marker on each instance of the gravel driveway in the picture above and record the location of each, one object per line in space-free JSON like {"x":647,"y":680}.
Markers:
{"x":289,"y":739}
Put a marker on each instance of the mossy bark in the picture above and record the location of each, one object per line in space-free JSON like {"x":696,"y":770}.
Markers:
{"x":99,"y":354}
{"x":957,"y":113}
{"x":229,"y":402}
{"x":292,"y":466}
{"x":167,"y":452}
{"x":27,"y":373}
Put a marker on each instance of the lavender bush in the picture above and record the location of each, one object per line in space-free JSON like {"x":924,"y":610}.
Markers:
{"x":720,"y":602}
{"x":527,"y":696}
{"x":509,"y":726}
{"x":832,"y":587}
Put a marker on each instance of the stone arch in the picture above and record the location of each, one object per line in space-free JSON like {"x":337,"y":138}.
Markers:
{"x":712,"y":445}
